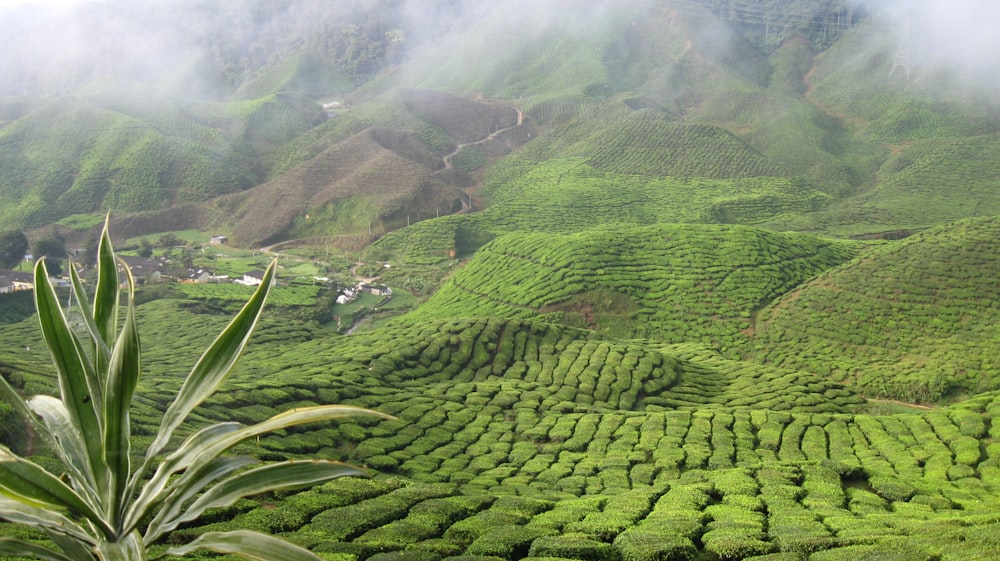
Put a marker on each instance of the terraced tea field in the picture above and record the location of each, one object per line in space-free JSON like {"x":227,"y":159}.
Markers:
{"x":489,"y":481}
{"x":912,"y":320}
{"x":565,"y":196}
{"x":522,"y":440}
{"x":673,"y":283}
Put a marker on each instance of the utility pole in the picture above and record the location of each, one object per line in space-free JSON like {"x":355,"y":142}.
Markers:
{"x":902,"y":58}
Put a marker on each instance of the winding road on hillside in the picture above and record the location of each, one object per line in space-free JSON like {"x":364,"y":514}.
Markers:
{"x":458,"y":148}
{"x":275,"y":249}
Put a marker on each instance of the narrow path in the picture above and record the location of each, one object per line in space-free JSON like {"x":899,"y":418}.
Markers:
{"x":274,"y":249}
{"x":447,"y":159}
{"x":901,"y":403}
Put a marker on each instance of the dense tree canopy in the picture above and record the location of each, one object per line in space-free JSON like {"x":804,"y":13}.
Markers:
{"x":13,"y":246}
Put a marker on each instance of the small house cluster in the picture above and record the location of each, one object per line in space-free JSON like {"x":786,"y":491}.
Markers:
{"x":12,"y":281}
{"x":349,"y":295}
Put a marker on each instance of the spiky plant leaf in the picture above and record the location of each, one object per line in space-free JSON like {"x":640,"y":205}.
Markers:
{"x":164,"y":521}
{"x":207,"y":444}
{"x":27,"y":482}
{"x":274,"y":477}
{"x":102,"y":350}
{"x":11,"y":546}
{"x":106,"y":299}
{"x":246,"y":544}
{"x":64,"y":439}
{"x":77,"y":378}
{"x":74,"y":549}
{"x":122,"y":379}
{"x":213,"y":366}
{"x":45,"y":519}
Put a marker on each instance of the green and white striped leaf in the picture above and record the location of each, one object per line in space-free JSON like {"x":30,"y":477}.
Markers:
{"x":293,"y":417}
{"x":41,"y":428}
{"x":167,"y":518}
{"x":247,"y":544}
{"x":20,"y":548}
{"x":106,"y":300}
{"x":273,"y":477}
{"x":46,"y":519}
{"x":72,"y":548}
{"x":156,"y":490}
{"x":207,"y":444}
{"x":102,"y":352}
{"x":26,"y":482}
{"x":123,"y":377}
{"x":77,"y":378}
{"x":66,"y":441}
{"x":214,"y":365}
{"x":129,"y":548}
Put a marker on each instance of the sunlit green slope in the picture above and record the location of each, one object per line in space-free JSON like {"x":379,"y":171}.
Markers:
{"x":536,"y":440}
{"x":674,"y":283}
{"x":913,"y":320}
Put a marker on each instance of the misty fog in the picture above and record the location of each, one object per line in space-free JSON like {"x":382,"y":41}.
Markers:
{"x":208,"y":48}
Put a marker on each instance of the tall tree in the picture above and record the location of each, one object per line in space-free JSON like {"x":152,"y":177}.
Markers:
{"x":13,"y":246}
{"x":53,"y":249}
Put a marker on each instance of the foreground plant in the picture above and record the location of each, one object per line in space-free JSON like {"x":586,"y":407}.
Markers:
{"x":101,"y":507}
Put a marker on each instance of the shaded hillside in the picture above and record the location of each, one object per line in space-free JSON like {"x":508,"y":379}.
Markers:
{"x":668,"y":282}
{"x":565,"y":196}
{"x":913,"y":320}
{"x":461,"y":119}
{"x":126,"y":151}
{"x":926,"y":183}
{"x":360,"y":169}
{"x":375,"y":179}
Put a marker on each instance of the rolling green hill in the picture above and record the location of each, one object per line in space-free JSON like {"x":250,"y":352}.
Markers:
{"x":673,"y":283}
{"x":652,"y":331}
{"x":131,"y":151}
{"x":913,"y":320}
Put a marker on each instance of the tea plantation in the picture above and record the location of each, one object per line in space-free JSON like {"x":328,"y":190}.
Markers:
{"x":517,"y":439}
{"x":684,"y":281}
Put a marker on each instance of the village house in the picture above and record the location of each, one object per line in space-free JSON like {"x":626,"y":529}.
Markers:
{"x":200,"y":276}
{"x":12,"y":281}
{"x":376,"y":289}
{"x":144,"y":270}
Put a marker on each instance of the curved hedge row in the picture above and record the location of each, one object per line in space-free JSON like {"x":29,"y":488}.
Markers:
{"x":729,"y":483}
{"x":913,"y":320}
{"x":675,"y":283}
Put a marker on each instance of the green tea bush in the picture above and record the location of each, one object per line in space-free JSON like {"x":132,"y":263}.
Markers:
{"x":573,"y":546}
{"x":649,"y":545}
{"x":510,"y":542}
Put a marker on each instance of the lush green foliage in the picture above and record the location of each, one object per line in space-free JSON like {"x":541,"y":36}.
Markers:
{"x":913,"y":320}
{"x":621,"y":363}
{"x":13,"y":246}
{"x":674,"y":283}
{"x":101,"y":508}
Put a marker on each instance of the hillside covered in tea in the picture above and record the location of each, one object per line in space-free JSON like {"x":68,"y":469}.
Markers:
{"x":656,"y":280}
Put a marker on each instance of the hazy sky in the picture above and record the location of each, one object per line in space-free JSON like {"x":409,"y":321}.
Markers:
{"x":958,"y":35}
{"x":5,"y":3}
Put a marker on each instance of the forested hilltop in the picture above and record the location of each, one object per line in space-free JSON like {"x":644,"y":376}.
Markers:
{"x":642,"y":280}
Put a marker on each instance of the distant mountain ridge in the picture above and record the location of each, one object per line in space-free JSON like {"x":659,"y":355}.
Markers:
{"x":356,"y":123}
